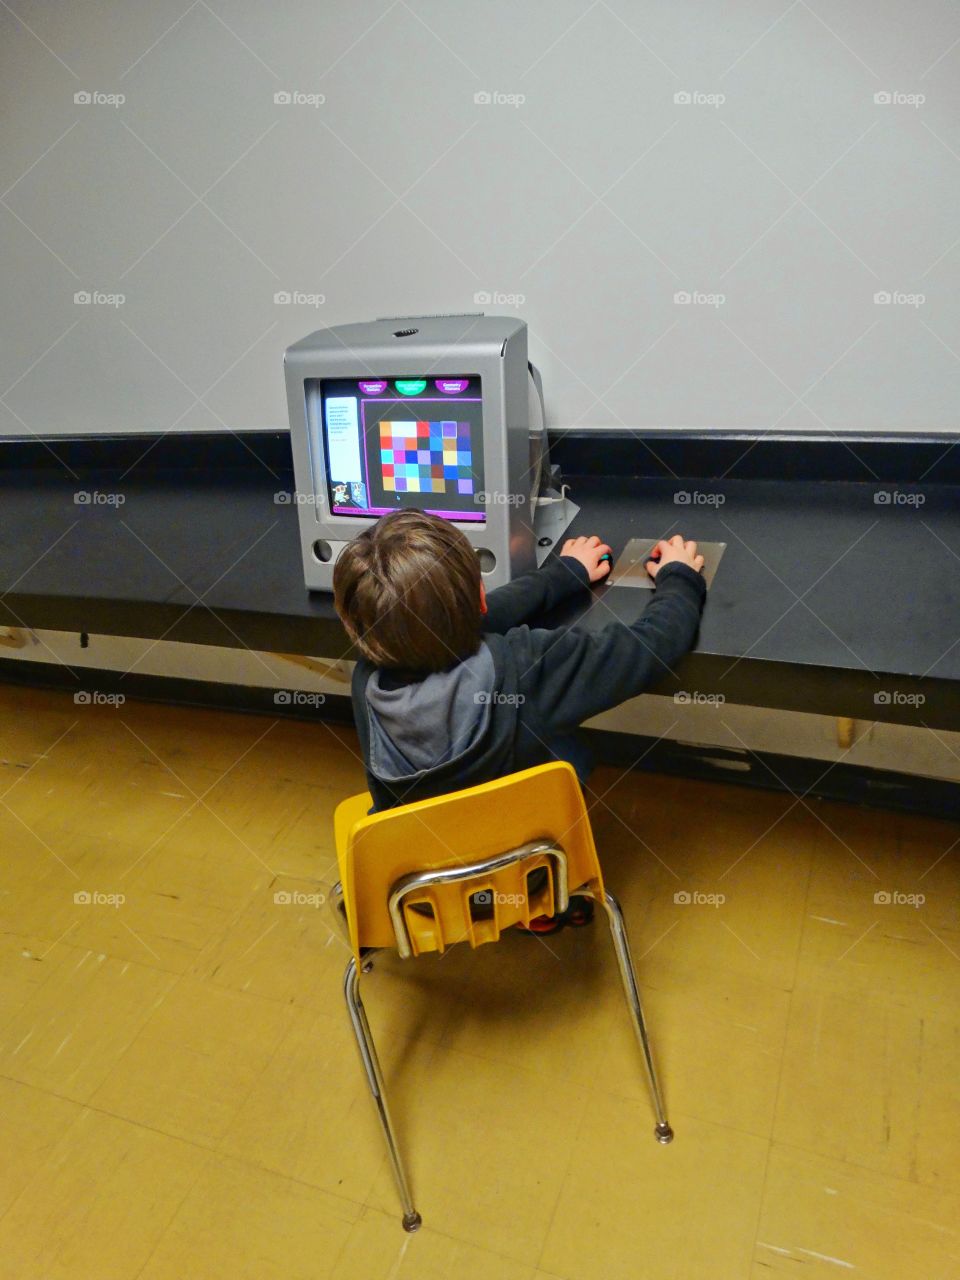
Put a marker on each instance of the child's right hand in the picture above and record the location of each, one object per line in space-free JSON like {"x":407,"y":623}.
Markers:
{"x":675,"y":550}
{"x":590,"y":553}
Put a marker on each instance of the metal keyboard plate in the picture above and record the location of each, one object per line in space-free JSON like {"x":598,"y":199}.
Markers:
{"x":629,"y":568}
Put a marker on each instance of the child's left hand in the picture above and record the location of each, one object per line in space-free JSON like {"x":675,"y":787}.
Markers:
{"x":588,"y":551}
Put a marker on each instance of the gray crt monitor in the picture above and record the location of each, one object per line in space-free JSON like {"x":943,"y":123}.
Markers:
{"x":431,"y":412}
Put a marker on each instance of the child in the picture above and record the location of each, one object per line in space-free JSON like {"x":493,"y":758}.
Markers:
{"x":453,"y":688}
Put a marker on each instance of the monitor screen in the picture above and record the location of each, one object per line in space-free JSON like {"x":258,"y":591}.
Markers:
{"x":391,"y":443}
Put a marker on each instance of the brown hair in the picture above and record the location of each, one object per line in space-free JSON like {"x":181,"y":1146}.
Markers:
{"x":408,"y":592}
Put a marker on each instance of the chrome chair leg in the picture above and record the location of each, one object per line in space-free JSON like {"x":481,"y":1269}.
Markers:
{"x":337,"y":909}
{"x":628,"y":975}
{"x":371,"y":1064}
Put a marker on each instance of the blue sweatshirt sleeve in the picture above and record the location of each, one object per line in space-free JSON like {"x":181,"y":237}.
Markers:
{"x":569,"y":676}
{"x":534,"y":593}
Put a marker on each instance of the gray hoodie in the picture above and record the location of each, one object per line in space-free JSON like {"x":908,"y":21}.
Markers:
{"x":431,"y":722}
{"x":503,"y":708}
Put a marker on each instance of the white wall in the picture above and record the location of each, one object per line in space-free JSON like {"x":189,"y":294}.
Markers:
{"x":596,"y":199}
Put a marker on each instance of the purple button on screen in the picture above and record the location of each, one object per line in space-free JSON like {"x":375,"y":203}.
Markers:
{"x":372,"y":388}
{"x":452,"y":386}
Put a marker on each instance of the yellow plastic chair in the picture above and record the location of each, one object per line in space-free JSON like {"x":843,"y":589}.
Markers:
{"x":436,"y":854}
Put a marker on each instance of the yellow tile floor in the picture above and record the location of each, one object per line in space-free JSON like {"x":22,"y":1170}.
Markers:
{"x":181,"y":1099}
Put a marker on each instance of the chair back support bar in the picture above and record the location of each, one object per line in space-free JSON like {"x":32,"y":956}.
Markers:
{"x":416,"y":933}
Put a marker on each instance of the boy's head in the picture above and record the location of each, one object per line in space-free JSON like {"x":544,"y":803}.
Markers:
{"x":408,"y":592}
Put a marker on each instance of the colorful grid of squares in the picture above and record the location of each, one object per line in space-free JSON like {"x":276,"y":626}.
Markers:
{"x":426,"y":457}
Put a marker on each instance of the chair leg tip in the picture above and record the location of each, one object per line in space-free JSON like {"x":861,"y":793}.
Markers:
{"x":412,"y":1221}
{"x":664,"y":1133}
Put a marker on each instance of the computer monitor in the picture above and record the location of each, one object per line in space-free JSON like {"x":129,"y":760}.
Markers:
{"x":439,"y":413}
{"x":390,"y":443}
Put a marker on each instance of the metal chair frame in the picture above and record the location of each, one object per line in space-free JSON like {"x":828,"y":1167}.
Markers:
{"x":421,"y":880}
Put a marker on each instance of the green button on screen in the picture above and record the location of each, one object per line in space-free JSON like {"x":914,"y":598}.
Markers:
{"x":411,"y":386}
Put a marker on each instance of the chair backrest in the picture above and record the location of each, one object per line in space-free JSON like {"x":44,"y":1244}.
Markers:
{"x":540,"y":806}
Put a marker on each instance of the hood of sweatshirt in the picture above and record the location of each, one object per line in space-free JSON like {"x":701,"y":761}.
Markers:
{"x":418,"y":727}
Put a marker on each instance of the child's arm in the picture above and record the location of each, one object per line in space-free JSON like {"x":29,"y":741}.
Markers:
{"x":578,"y":565}
{"x":572,"y":675}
